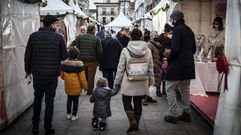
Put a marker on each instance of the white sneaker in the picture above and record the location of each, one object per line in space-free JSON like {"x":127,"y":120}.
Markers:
{"x":74,"y":117}
{"x":68,"y":117}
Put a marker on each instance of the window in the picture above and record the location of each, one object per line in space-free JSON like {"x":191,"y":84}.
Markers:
{"x":104,"y":20}
{"x":103,"y":11}
{"x":112,"y":18}
{"x":112,"y":11}
{"x":108,"y":1}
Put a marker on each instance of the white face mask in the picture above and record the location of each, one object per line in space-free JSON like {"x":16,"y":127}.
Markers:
{"x":169,"y":36}
{"x":215,"y":26}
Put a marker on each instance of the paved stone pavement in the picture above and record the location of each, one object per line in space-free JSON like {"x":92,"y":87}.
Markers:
{"x":151,"y":123}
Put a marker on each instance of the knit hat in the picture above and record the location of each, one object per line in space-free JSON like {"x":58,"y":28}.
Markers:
{"x":49,"y":19}
{"x":177,"y":15}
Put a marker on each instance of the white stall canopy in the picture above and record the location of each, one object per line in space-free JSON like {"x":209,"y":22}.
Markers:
{"x":120,"y":21}
{"x":70,"y":21}
{"x":77,"y":11}
{"x":18,"y":21}
{"x":228,"y":118}
{"x":160,"y":14}
{"x":92,"y":5}
{"x":56,"y":7}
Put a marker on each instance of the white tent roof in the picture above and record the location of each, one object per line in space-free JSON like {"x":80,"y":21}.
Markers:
{"x":77,"y":10}
{"x":158,"y":6}
{"x":55,"y":7}
{"x":120,"y":21}
{"x":138,"y":3}
{"x":92,"y":5}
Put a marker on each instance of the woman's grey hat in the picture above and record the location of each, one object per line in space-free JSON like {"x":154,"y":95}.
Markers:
{"x":177,"y":15}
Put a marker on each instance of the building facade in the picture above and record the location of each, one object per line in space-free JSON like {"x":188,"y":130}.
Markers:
{"x":107,"y":10}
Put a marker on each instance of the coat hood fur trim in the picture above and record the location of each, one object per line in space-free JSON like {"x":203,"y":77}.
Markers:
{"x":72,"y":66}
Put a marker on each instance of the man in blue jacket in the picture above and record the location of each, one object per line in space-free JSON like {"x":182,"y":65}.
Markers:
{"x":45,"y":49}
{"x":181,"y":68}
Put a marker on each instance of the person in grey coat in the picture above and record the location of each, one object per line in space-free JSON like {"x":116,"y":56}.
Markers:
{"x":101,"y":98}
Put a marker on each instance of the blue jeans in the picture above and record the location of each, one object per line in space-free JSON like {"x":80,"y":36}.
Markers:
{"x":109,"y":74}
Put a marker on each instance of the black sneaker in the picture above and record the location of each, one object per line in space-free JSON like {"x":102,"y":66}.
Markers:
{"x":158,"y":93}
{"x":102,"y":126}
{"x":170,"y":119}
{"x":150,"y":100}
{"x":50,"y":131}
{"x":35,"y":130}
{"x":95,"y":122}
{"x":184,"y":117}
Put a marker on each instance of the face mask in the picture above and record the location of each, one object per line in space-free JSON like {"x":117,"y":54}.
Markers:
{"x":169,"y":36}
{"x":215,"y":26}
{"x":156,"y":39}
{"x":170,"y":23}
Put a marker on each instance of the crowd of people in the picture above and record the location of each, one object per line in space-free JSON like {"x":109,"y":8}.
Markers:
{"x":130,"y":62}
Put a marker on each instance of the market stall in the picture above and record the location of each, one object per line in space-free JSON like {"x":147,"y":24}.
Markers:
{"x":228,"y":119}
{"x":120,"y":21}
{"x":199,"y":17}
{"x":67,"y":18}
{"x":18,"y":21}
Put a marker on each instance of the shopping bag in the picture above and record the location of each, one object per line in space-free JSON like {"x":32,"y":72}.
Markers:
{"x":152,"y":92}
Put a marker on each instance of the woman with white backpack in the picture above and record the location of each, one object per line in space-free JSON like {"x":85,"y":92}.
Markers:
{"x":134,"y":76}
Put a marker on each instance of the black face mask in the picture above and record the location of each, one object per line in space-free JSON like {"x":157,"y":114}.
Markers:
{"x":156,"y":39}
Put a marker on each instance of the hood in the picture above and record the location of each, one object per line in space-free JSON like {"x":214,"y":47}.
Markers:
{"x":72,"y":66}
{"x":102,"y":92}
{"x":138,"y":48}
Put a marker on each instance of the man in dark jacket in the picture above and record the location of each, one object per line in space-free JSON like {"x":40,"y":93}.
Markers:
{"x":110,"y":58}
{"x":45,"y":49}
{"x":90,"y":53}
{"x":181,"y":68}
{"x":101,"y":34}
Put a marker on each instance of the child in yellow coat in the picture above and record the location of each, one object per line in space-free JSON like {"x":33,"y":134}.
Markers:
{"x":73,"y":74}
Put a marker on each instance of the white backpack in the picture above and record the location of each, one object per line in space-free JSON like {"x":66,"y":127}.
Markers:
{"x":137,"y":68}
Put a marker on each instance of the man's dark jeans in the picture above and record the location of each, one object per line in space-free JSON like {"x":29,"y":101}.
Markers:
{"x":47,"y":87}
{"x":109,"y":74}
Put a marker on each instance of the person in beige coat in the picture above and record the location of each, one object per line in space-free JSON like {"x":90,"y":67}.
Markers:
{"x":130,"y":88}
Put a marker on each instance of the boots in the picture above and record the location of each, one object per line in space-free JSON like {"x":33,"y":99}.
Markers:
{"x":150,"y":99}
{"x":133,"y":124}
{"x":102,"y":126}
{"x":137,"y":117}
{"x":144,"y":102}
{"x":184,"y":117}
{"x":164,"y":88}
{"x":95,"y":122}
{"x":158,"y":91}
